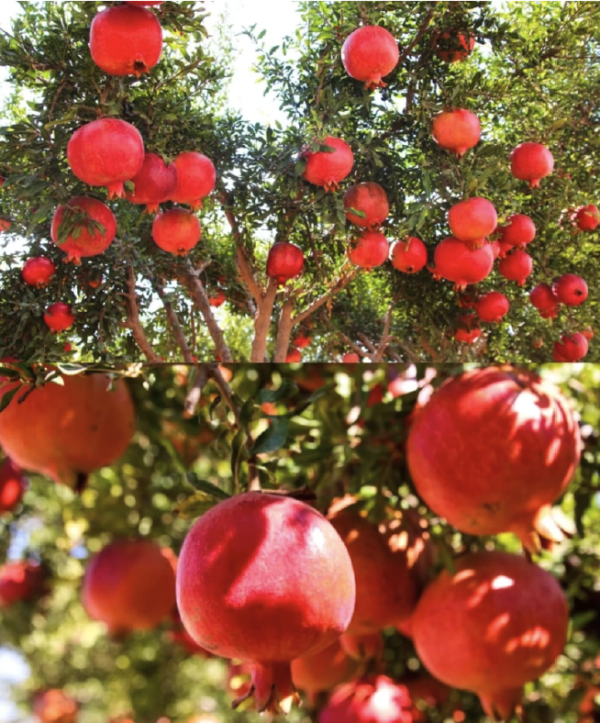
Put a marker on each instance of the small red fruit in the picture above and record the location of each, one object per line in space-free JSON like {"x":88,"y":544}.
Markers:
{"x":571,"y":348}
{"x":285,"y":262}
{"x":369,"y":54}
{"x":351,"y":358}
{"x":218,"y":299}
{"x":545,"y":301}
{"x":323,"y":670}
{"x":517,"y":266}
{"x":21,"y":582}
{"x":409,"y":256}
{"x":373,"y":699}
{"x":197,"y":177}
{"x":571,"y":290}
{"x":457,"y":131}
{"x":85,"y":239}
{"x":454,"y":47}
{"x":53,"y":706}
{"x":294,"y":357}
{"x":12,"y":486}
{"x":455,"y":261}
{"x":588,"y":218}
{"x":38,"y":271}
{"x":468,"y":330}
{"x":59,"y":317}
{"x":176,"y":231}
{"x":370,"y":250}
{"x":492,"y":307}
{"x":5,"y":224}
{"x":329,"y":168}
{"x":588,"y":333}
{"x":370,"y":199}
{"x":531,"y":162}
{"x":471,"y":221}
{"x":154,"y":184}
{"x":519,"y":231}
{"x":302,"y":341}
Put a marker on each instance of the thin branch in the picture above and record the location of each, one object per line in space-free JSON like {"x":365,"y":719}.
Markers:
{"x":195,"y":394}
{"x":214,"y":373}
{"x":133,"y":321}
{"x":420,"y":33}
{"x":175,"y":325}
{"x":369,"y":344}
{"x":361,"y":353}
{"x":335,"y":288}
{"x":284,"y":331}
{"x":385,"y":337}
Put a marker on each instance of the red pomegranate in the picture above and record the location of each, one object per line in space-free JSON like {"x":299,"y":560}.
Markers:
{"x":21,"y":582}
{"x":176,"y":231}
{"x":84,"y":239}
{"x":588,"y":333}
{"x":323,"y":670}
{"x":457,"y":131}
{"x":329,"y":168}
{"x":79,"y":427}
{"x":239,"y":596}
{"x":218,"y":299}
{"x":369,"y":54}
{"x":373,"y":699}
{"x":363,"y":646}
{"x":467,"y":301}
{"x":59,"y":317}
{"x":571,"y":348}
{"x":545,"y":301}
{"x":53,"y":706}
{"x":154,"y":184}
{"x":496,"y":249}
{"x":285,"y":262}
{"x":571,"y":290}
{"x":351,"y":358}
{"x":370,"y":199}
{"x":302,"y":341}
{"x":453,"y":47}
{"x":508,"y":427}
{"x":38,"y":271}
{"x":588,"y":218}
{"x":12,"y":486}
{"x":294,"y":357}
{"x":5,"y":224}
{"x":505,"y":249}
{"x":106,"y":152}
{"x":130,"y":585}
{"x":519,"y":231}
{"x":455,"y":261}
{"x":468,"y":330}
{"x":517,"y":266}
{"x":493,"y":625}
{"x":471,"y":221}
{"x":492,"y":307}
{"x":531,"y":162}
{"x":184,"y":639}
{"x":125,"y":41}
{"x":409,"y":255}
{"x":197,"y":178}
{"x":370,"y":250}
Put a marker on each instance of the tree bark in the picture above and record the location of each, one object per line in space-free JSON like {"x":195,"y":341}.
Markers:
{"x":262,"y":323}
{"x":284,"y":332}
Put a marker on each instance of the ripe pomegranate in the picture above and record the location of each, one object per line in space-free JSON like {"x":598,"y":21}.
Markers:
{"x":369,"y":54}
{"x":492,"y":307}
{"x":329,"y":168}
{"x":519,"y":231}
{"x":302,"y":341}
{"x":455,"y":261}
{"x":571,"y":290}
{"x":351,"y":358}
{"x":12,"y":486}
{"x":453,"y":47}
{"x":176,"y":231}
{"x":285,"y":262}
{"x":218,"y":299}
{"x":588,"y":218}
{"x":130,"y":585}
{"x":323,"y":670}
{"x":294,"y":357}
{"x":370,"y":199}
{"x":106,"y":152}
{"x":588,"y":333}
{"x":457,"y":131}
{"x":363,"y":647}
{"x":239,"y":596}
{"x":471,"y":221}
{"x":370,"y":250}
{"x":468,"y":330}
{"x":571,"y":348}
{"x":490,"y":627}
{"x":409,"y":256}
{"x":85,"y":239}
{"x":53,"y":706}
{"x":21,"y":582}
{"x":505,"y":249}
{"x":467,"y":301}
{"x":531,"y":162}
{"x":373,"y":699}
{"x":496,"y":249}
{"x":5,"y":224}
{"x":508,"y":427}
{"x":154,"y":184}
{"x":545,"y":301}
{"x":38,"y":271}
{"x":517,"y":266}
{"x":78,"y":427}
{"x":196,"y":179}
{"x":59,"y":317}
{"x":125,"y":41}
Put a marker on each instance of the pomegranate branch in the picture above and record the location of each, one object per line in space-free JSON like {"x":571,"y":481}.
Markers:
{"x":194,"y":395}
{"x":335,"y":288}
{"x":133,"y":320}
{"x":263,"y":322}
{"x":284,"y":331}
{"x":175,"y":325}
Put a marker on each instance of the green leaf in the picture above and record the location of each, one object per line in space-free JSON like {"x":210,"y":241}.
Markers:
{"x":237,"y":453}
{"x":215,"y":403}
{"x":319,"y":394}
{"x":201,"y":485}
{"x":274,"y":438}
{"x":195,"y":506}
{"x":71,"y":370}
{"x":287,"y":389}
{"x":7,"y":397}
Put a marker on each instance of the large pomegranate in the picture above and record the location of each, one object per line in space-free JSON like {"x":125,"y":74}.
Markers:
{"x":492,"y":307}
{"x":285,"y":262}
{"x":490,"y":627}
{"x":154,"y":184}
{"x":467,"y":329}
{"x":22,"y":581}
{"x":370,"y":250}
{"x":197,"y":177}
{"x":176,"y":231}
{"x":267,"y":579}
{"x":85,"y":239}
{"x":531,"y":162}
{"x":588,"y":218}
{"x":409,"y":255}
{"x":59,"y":317}
{"x":545,"y":301}
{"x":517,"y":266}
{"x":106,"y":152}
{"x":370,"y":199}
{"x":369,"y":54}
{"x":455,"y":261}
{"x":453,"y":47}
{"x":78,"y":427}
{"x":329,"y":168}
{"x":125,"y":41}
{"x":12,"y":485}
{"x":571,"y":348}
{"x":571,"y":290}
{"x":519,"y":231}
{"x":323,"y":670}
{"x":457,"y":131}
{"x":373,"y":699}
{"x":492,"y":450}
{"x":54,"y":706}
{"x":471,"y":221}
{"x":38,"y":271}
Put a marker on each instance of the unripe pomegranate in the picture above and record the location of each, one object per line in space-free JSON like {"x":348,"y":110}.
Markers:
{"x":519,"y":231}
{"x":329,"y":168}
{"x":409,"y":255}
{"x":176,"y":231}
{"x":59,"y":317}
{"x":196,"y":179}
{"x":285,"y":262}
{"x":457,"y":131}
{"x":84,"y":240}
{"x":517,"y":266}
{"x":302,"y":341}
{"x":468,"y":330}
{"x":531,"y":162}
{"x":12,"y":486}
{"x":492,"y":307}
{"x":294,"y":357}
{"x":471,"y":221}
{"x":461,"y":434}
{"x":370,"y":199}
{"x":154,"y":184}
{"x":323,"y":670}
{"x":369,"y":54}
{"x":351,"y":358}
{"x":239,"y":596}
{"x":588,"y":218}
{"x":363,"y":646}
{"x":571,"y":290}
{"x":38,"y":271}
{"x":373,"y":699}
{"x":370,"y":250}
{"x":454,"y":47}
{"x":125,"y":41}
{"x":455,"y":261}
{"x":545,"y":301}
{"x":78,"y":427}
{"x":571,"y":348}
{"x":218,"y":299}
{"x":106,"y":152}
{"x":493,"y":625}
{"x":21,"y":582}
{"x":53,"y":706}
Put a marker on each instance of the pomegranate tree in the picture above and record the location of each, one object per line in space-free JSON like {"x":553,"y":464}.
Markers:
{"x":471,"y":221}
{"x":571,"y":290}
{"x":59,"y":317}
{"x":467,"y":329}
{"x":369,"y":54}
{"x":84,"y":238}
{"x":329,"y":168}
{"x":22,"y":581}
{"x":369,"y":250}
{"x":196,"y":179}
{"x":369,"y":199}
{"x":519,"y":231}
{"x":409,"y":255}
{"x":285,"y":262}
{"x":455,"y":261}
{"x":38,"y":271}
{"x":545,"y":301}
{"x":453,"y":47}
{"x":154,"y":184}
{"x":531,"y":162}
{"x":176,"y":231}
{"x":457,"y":131}
{"x":12,"y":485}
{"x":588,"y":218}
{"x":517,"y":266}
{"x":492,"y":307}
{"x":373,"y":699}
{"x":571,"y":348}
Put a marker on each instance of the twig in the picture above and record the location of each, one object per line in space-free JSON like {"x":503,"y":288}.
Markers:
{"x":133,"y":321}
{"x":335,"y":288}
{"x":361,"y":353}
{"x":214,"y":373}
{"x":284,"y":331}
{"x":195,"y":394}
{"x":420,"y":33}
{"x":173,"y":320}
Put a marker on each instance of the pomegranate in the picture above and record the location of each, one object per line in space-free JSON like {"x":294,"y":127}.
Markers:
{"x":323,"y":670}
{"x":154,"y":184}
{"x":38,"y":271}
{"x":492,"y":307}
{"x":519,"y":231}
{"x":455,"y":261}
{"x":363,"y":647}
{"x":504,"y":426}
{"x":218,"y":299}
{"x":409,"y":256}
{"x":106,"y":152}
{"x":21,"y":582}
{"x":5,"y":224}
{"x":59,"y":317}
{"x":588,"y":218}
{"x":490,"y":627}
{"x":125,"y":41}
{"x":471,"y":221}
{"x":588,"y":333}
{"x":351,"y":358}
{"x":504,"y":249}
{"x":531,"y":162}
{"x":196,"y":179}
{"x":12,"y":486}
{"x":294,"y":357}
{"x":369,"y":54}
{"x":176,"y":231}
{"x":85,"y":239}
{"x":53,"y":706}
{"x":468,"y":330}
{"x":571,"y":348}
{"x":302,"y":341}
{"x":329,"y":168}
{"x":370,"y":199}
{"x":370,"y":250}
{"x":78,"y":427}
{"x":373,"y":699}
{"x":496,"y":249}
{"x":454,"y":47}
{"x":467,"y":301}
{"x":285,"y":262}
{"x":545,"y":301}
{"x":571,"y":290}
{"x":517,"y":266}
{"x":239,"y":596}
{"x":457,"y":131}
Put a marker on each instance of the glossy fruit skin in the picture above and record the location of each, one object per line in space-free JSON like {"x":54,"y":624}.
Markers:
{"x":106,"y":152}
{"x":59,"y":317}
{"x":531,"y":162}
{"x":498,"y":622}
{"x":154,"y":184}
{"x":373,"y":699}
{"x":323,"y":670}
{"x":126,"y":41}
{"x":89,"y":242}
{"x":294,"y":357}
{"x":545,"y":301}
{"x":53,"y":706}
{"x":519,"y":231}
{"x":588,"y":218}
{"x":285,"y":262}
{"x":468,"y":330}
{"x":369,"y":54}
{"x":78,"y":427}
{"x":197,"y":178}
{"x":517,"y":266}
{"x":21,"y":582}
{"x":471,"y":221}
{"x":370,"y":250}
{"x":571,"y":348}
{"x":496,"y":249}
{"x":409,"y":256}
{"x":328,"y":169}
{"x":176,"y":231}
{"x":372,"y":200}
{"x":463,"y":46}
{"x":455,"y":261}
{"x":12,"y":486}
{"x":363,"y":646}
{"x":492,"y":307}
{"x":571,"y":290}
{"x":504,"y":426}
{"x":351,"y":358}
{"x":38,"y":271}
{"x":457,"y":131}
